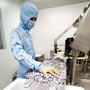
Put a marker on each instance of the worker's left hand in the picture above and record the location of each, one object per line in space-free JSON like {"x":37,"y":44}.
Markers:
{"x":48,"y":69}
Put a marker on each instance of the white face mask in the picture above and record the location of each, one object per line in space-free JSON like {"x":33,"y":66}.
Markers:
{"x":31,"y":24}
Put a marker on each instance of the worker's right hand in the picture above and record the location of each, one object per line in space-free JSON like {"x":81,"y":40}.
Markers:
{"x":48,"y":69}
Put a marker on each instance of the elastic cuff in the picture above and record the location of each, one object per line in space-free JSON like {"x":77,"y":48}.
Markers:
{"x":39,"y":66}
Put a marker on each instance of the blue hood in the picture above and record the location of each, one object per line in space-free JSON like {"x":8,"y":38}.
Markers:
{"x":28,"y":10}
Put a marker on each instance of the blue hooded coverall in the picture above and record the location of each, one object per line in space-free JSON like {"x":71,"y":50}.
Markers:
{"x":21,"y":41}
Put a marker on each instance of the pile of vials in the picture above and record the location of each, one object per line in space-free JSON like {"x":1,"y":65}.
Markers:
{"x":51,"y":83}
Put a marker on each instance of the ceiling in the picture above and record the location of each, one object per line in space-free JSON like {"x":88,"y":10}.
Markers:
{"x":42,"y":4}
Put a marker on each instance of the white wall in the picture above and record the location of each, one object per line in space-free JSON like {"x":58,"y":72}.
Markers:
{"x":10,"y":11}
{"x":51,"y":22}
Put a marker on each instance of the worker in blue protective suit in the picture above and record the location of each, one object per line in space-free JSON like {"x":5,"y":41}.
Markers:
{"x":22,"y":46}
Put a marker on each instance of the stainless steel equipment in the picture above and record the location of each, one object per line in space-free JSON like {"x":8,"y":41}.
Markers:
{"x":81,"y":43}
{"x":39,"y":57}
{"x":82,"y":39}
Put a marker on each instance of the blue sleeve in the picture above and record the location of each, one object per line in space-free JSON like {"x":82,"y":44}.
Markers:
{"x":20,"y":54}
